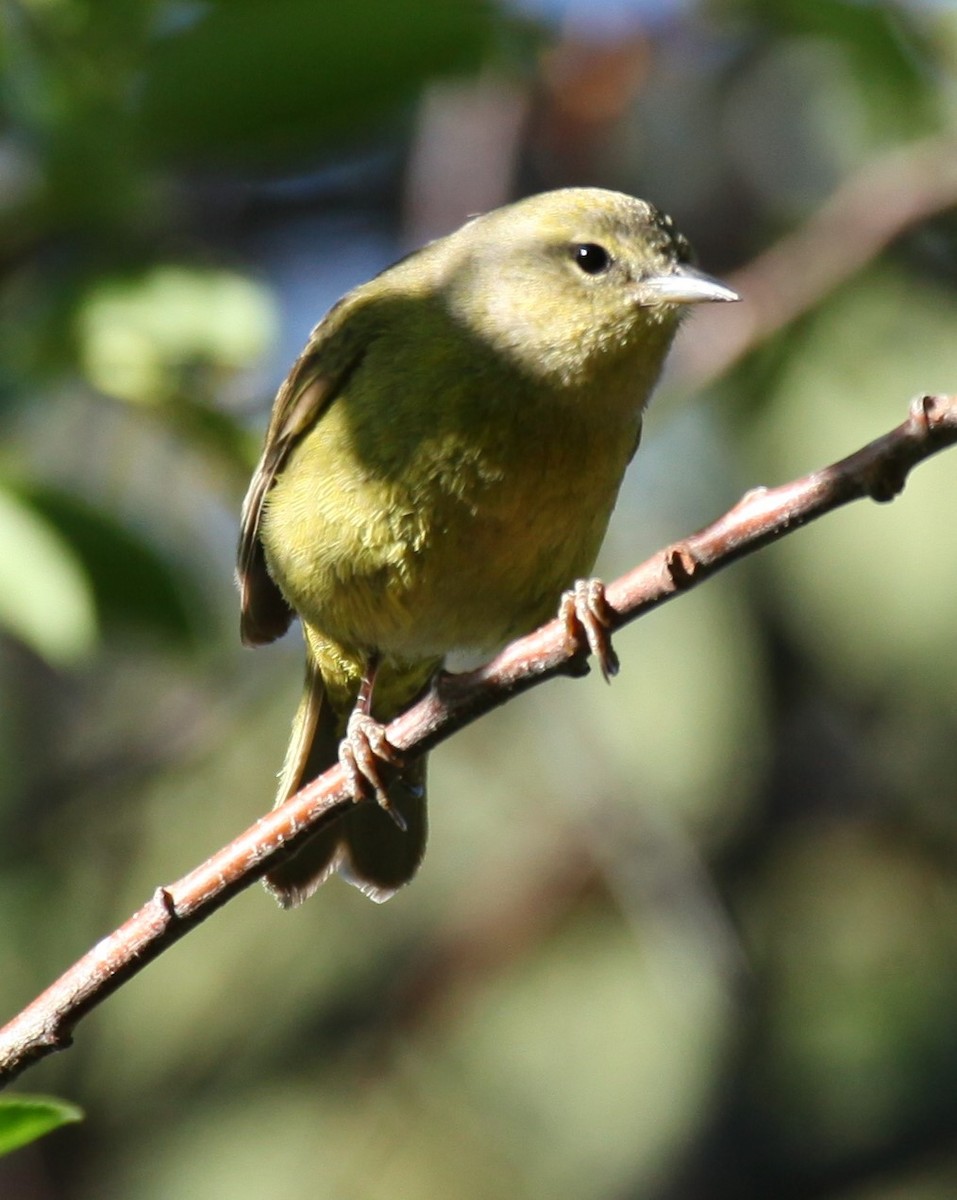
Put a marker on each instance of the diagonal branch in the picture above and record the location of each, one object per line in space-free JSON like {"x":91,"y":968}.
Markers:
{"x":877,"y":471}
{"x":873,"y":206}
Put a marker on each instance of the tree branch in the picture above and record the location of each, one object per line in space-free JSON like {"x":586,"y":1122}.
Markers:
{"x":876,"y":204}
{"x":877,"y":471}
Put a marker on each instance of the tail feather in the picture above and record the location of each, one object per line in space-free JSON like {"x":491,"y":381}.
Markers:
{"x":365,"y":845}
{"x":376,"y":856}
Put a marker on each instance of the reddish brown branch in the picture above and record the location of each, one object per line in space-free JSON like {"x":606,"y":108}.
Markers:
{"x":872,"y":207}
{"x":878,"y":471}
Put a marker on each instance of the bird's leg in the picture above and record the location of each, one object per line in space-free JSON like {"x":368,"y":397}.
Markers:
{"x":586,"y":612}
{"x":365,"y":747}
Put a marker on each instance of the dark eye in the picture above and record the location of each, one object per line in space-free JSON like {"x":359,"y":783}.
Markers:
{"x":683,"y":251}
{"x":592,"y":258}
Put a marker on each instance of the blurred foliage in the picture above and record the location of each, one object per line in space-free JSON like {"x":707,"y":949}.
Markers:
{"x":691,"y":935}
{"x":45,"y":594}
{"x":197,"y":100}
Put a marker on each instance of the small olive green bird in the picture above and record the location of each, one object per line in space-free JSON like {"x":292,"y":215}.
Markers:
{"x":440,"y":465}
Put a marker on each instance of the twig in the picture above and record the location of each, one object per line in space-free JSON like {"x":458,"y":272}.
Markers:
{"x":878,"y":471}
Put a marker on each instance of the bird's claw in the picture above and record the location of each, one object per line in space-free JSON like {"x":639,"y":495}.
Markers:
{"x":586,"y":611}
{"x":362,"y":752}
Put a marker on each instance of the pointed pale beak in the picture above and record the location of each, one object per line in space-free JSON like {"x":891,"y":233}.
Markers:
{"x":686,"y":286}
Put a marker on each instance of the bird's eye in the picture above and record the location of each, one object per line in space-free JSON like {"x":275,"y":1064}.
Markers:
{"x":592,"y":258}
{"x":683,"y":251}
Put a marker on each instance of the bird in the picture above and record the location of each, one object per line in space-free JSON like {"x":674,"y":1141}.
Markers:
{"x":437,"y":476}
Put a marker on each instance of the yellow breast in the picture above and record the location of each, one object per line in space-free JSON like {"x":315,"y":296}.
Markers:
{"x":467,"y":541}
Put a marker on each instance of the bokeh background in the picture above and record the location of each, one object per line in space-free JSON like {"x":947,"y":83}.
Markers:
{"x":691,"y":937}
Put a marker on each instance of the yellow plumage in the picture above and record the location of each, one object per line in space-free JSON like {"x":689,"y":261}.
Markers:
{"x":442,"y":463}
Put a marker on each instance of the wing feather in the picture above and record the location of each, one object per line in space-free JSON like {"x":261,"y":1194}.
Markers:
{"x":332,"y":353}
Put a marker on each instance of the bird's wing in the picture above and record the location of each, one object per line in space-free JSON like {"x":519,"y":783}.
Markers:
{"x":334,"y":350}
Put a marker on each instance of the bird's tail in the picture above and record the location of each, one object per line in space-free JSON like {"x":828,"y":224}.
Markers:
{"x":365,"y":845}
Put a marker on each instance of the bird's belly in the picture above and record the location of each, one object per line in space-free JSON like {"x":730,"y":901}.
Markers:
{"x":474,"y":553}
{"x":488,"y":580}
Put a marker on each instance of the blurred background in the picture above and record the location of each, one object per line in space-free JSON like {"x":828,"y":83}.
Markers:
{"x":691,"y":937}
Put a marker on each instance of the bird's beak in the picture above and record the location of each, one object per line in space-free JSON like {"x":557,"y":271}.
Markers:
{"x":686,"y":285}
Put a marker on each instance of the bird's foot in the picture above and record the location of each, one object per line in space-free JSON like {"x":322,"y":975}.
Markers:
{"x":362,"y":753}
{"x":587,"y":614}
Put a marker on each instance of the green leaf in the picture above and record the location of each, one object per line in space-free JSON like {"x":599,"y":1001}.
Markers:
{"x":23,"y":1119}
{"x":132,"y":584}
{"x":139,"y":337}
{"x":45,"y":595}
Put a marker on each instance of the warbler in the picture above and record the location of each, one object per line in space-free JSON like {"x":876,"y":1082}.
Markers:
{"x":440,"y":466}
